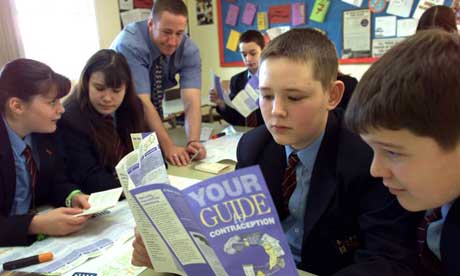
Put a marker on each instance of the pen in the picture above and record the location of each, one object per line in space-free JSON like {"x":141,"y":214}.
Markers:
{"x":194,"y":155}
{"x":215,"y":136}
{"x":41,"y":258}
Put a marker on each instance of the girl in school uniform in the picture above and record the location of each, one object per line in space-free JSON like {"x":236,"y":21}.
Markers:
{"x":100,"y":114}
{"x":31,"y":170}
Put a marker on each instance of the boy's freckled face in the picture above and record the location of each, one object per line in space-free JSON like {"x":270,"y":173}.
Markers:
{"x":294,"y":104}
{"x":416,"y":169}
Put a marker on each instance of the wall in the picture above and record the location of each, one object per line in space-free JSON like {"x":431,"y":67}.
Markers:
{"x":108,"y":21}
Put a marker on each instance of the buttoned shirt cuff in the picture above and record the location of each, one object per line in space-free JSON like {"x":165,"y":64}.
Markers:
{"x":68,"y":199}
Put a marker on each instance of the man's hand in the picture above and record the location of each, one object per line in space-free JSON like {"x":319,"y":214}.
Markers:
{"x":177,"y":156}
{"x":214,"y":98}
{"x":195,"y":147}
{"x":140,"y":255}
{"x":57,"y":222}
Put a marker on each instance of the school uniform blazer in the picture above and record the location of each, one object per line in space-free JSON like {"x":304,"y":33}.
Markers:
{"x":233,"y":117}
{"x":52,"y":186}
{"x":353,"y":226}
{"x":450,"y":241}
{"x":350,"y":84}
{"x":79,"y":148}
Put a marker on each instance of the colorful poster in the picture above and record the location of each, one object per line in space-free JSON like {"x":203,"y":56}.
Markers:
{"x":233,"y":38}
{"x":232,"y":15}
{"x":319,"y":10}
{"x":298,"y":14}
{"x":262,"y":21}
{"x":279,"y":14}
{"x":204,"y":12}
{"x":249,"y":13}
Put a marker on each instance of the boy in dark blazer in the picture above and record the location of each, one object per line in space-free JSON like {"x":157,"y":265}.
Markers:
{"x":31,"y":171}
{"x":251,"y":45}
{"x":410,"y":117}
{"x":337,"y":218}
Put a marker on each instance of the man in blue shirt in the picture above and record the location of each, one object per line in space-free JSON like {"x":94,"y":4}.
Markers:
{"x":157,"y":49}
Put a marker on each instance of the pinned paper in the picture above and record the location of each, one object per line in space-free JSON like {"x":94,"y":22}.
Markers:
{"x":385,"y":26}
{"x":262,"y":20}
{"x":356,"y":3}
{"x":125,"y":4}
{"x":298,"y":14}
{"x":400,"y":7}
{"x":232,"y":15}
{"x":423,"y":5}
{"x":319,"y":10}
{"x":249,"y":13}
{"x":279,"y":14}
{"x":406,"y":27}
{"x":233,"y":39}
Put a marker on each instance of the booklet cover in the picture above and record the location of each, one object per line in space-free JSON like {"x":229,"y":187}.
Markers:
{"x":225,"y":225}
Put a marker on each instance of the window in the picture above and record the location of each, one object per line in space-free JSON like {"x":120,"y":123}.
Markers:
{"x":60,"y":33}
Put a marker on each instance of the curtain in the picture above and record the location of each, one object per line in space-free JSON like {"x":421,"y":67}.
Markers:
{"x":10,"y":38}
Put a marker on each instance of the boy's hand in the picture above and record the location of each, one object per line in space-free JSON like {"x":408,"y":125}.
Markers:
{"x":140,"y":255}
{"x":57,"y":222}
{"x":214,"y":98}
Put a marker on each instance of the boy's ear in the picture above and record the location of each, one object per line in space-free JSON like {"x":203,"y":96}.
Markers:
{"x":150,"y":24}
{"x":335,"y":94}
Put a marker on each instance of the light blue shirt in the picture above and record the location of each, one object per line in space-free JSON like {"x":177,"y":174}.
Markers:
{"x":293,"y":225}
{"x":434,"y":231}
{"x":23,"y":194}
{"x":142,"y":55}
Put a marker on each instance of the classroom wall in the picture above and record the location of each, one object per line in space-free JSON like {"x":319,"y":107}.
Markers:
{"x":108,"y":21}
{"x":205,"y":36}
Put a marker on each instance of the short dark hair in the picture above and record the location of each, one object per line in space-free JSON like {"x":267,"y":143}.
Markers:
{"x":253,"y":36}
{"x":176,"y":7}
{"x":306,"y":46}
{"x":26,"y":78}
{"x":441,"y":17}
{"x":414,"y":86}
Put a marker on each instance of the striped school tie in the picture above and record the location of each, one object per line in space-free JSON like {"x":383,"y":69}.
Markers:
{"x":289,"y":182}
{"x":429,"y":262}
{"x":157,"y":95}
{"x":31,"y":167}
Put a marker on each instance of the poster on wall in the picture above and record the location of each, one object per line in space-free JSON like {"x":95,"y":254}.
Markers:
{"x":204,"y":12}
{"x":356,"y":33}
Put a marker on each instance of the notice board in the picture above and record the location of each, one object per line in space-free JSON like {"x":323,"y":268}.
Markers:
{"x":237,"y":16}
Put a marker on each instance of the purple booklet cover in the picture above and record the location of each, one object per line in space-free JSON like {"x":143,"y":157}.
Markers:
{"x":232,"y":220}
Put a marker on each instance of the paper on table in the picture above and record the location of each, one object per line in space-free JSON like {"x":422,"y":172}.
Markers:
{"x":214,"y":168}
{"x":205,"y":133}
{"x":221,"y":148}
{"x":102,"y":201}
{"x":249,"y":13}
{"x":182,"y":182}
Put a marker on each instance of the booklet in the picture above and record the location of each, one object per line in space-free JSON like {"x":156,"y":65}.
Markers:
{"x":225,"y":225}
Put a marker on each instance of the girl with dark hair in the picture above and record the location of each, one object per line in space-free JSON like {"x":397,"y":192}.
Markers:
{"x":100,"y":114}
{"x":31,"y":169}
{"x":441,"y":17}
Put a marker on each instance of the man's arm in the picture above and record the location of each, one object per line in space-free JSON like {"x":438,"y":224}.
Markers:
{"x":175,"y":155}
{"x":191,"y":98}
